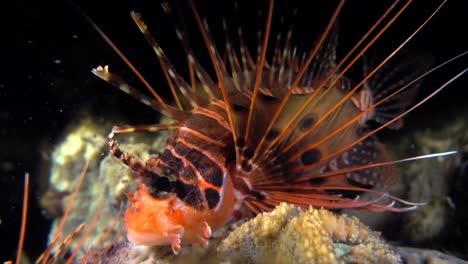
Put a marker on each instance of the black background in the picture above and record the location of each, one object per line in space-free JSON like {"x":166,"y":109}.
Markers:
{"x":48,"y":50}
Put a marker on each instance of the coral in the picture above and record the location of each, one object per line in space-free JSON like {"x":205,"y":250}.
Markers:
{"x":324,"y":238}
{"x":105,"y":184}
{"x":83,"y":144}
{"x":429,"y":180}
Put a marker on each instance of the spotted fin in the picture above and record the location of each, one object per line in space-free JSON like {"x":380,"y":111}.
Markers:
{"x":366,"y":152}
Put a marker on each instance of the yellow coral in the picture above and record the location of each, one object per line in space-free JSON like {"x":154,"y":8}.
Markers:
{"x":289,"y":235}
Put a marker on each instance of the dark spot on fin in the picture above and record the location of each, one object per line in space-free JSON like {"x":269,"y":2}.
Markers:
{"x":239,"y":108}
{"x":308,"y":121}
{"x":316,"y":181}
{"x":310,"y":156}
{"x":272,"y":134}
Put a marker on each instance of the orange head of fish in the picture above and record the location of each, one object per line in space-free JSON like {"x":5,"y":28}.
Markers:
{"x":163,"y":220}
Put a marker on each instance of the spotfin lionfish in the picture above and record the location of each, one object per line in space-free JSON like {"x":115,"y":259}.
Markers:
{"x":291,"y":128}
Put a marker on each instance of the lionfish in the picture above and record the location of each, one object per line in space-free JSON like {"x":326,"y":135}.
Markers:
{"x":291,"y":128}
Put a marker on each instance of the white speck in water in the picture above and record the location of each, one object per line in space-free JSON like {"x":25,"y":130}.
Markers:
{"x":57,"y":61}
{"x":75,"y":36}
{"x":450,"y":202}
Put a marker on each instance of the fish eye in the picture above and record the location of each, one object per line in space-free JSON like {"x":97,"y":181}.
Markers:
{"x":162,"y":187}
{"x":163,"y":184}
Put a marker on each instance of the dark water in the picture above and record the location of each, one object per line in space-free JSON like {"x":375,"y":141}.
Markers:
{"x":49,"y":50}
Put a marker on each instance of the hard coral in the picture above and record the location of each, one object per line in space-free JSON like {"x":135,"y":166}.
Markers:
{"x":289,"y":234}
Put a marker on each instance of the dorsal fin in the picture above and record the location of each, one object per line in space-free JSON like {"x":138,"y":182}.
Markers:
{"x":114,"y":47}
{"x":207,"y":84}
{"x":221,"y":73}
{"x":259,"y":75}
{"x":115,"y":80}
{"x":297,"y":79}
{"x":392,"y":76}
{"x":167,"y":66}
{"x":293,"y":122}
